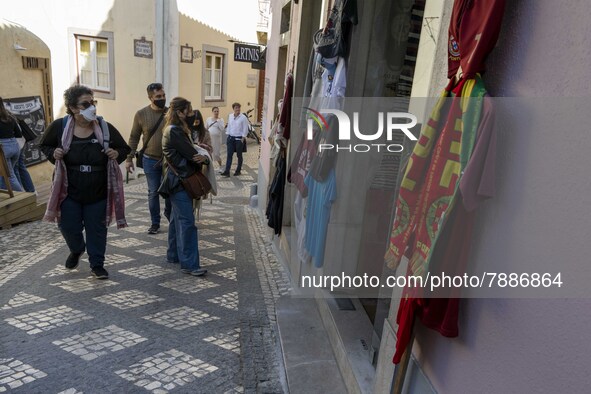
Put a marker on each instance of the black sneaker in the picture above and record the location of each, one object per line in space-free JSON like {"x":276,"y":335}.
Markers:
{"x":73,"y":260}
{"x":154,"y":229}
{"x":225,"y":174}
{"x":237,"y":173}
{"x":100,"y":273}
{"x":197,"y":272}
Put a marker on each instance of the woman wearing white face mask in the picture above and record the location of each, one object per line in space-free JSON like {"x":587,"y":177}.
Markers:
{"x":87,"y":185}
{"x":215,"y":125}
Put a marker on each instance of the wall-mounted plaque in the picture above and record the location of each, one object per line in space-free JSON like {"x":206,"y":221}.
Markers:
{"x":186,"y":54}
{"x":142,"y":48}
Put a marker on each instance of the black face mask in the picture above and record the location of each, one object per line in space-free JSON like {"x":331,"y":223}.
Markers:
{"x":190,"y":120}
{"x":160,"y":103}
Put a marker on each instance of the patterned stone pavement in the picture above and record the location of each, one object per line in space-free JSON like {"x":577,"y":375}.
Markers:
{"x":149,"y":328}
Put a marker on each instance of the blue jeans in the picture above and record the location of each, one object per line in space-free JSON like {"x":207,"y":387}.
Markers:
{"x":90,"y":217}
{"x":234,"y":145}
{"x":22,"y":174}
{"x":182,"y":232}
{"x":153,"y":171}
{"x":12,"y":153}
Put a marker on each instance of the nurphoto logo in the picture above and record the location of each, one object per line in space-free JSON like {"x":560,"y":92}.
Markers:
{"x":390,"y":121}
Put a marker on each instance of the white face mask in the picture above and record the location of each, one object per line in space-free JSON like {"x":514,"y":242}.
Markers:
{"x":89,"y":113}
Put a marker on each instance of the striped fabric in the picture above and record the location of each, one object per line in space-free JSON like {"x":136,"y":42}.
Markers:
{"x":429,"y":188}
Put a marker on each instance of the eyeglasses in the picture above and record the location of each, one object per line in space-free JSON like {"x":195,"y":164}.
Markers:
{"x":86,"y":104}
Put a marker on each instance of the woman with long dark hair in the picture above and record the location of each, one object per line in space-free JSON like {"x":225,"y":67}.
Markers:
{"x":9,"y":132}
{"x":200,"y":134}
{"x":181,"y":161}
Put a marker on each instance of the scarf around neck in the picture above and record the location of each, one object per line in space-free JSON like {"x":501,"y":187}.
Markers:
{"x":59,"y":188}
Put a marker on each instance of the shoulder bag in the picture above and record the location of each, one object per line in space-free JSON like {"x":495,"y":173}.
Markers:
{"x":28,"y":134}
{"x":196,"y":185}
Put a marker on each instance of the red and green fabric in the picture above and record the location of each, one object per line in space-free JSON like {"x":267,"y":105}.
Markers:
{"x":430,"y":185}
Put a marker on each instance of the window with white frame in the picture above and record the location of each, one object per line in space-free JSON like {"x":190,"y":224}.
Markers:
{"x":93,"y":62}
{"x":214,"y":63}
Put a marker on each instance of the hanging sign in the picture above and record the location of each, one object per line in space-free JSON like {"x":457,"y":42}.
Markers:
{"x":247,"y":53}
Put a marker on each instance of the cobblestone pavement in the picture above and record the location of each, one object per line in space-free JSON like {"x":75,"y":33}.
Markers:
{"x":149,"y":328}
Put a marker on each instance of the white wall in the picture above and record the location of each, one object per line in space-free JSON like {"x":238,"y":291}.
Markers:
{"x":540,"y":215}
{"x":269,"y":107}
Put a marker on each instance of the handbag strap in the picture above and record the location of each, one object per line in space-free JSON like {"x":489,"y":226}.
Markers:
{"x":153,"y":131}
{"x":172,"y":167}
{"x":213,"y":123}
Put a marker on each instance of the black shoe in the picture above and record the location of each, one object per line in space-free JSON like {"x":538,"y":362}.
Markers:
{"x":100,"y":273}
{"x":237,"y":173}
{"x":225,"y":174}
{"x":73,"y":260}
{"x":197,"y":272}
{"x":154,"y":229}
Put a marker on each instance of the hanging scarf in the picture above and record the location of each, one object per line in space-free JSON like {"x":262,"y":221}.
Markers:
{"x":59,"y":188}
{"x":429,"y":187}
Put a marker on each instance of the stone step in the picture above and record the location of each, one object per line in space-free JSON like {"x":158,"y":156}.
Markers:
{"x":309,"y":361}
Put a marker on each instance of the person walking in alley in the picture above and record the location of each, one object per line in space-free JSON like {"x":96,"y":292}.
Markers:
{"x":181,"y":161}
{"x":9,"y":132}
{"x":215,"y":125}
{"x":200,"y":134}
{"x":236,"y":140}
{"x":148,"y":123}
{"x":87,"y":184}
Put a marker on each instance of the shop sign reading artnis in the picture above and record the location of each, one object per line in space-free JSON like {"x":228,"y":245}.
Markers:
{"x":246,"y":53}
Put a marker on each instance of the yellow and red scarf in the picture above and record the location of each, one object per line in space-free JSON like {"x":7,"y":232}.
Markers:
{"x":430,"y":185}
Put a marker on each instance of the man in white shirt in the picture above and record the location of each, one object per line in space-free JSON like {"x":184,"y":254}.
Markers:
{"x":237,"y":130}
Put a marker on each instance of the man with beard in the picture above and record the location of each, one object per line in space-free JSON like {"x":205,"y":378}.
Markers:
{"x":148,"y":123}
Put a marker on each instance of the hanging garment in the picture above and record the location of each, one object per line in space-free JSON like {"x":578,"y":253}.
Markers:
{"x":320,"y":198}
{"x":332,"y":40}
{"x":302,"y":160}
{"x":473,"y":32}
{"x":325,"y":160}
{"x":283,"y":131}
{"x":274,"y":210}
{"x":300,"y":205}
{"x":440,"y":156}
{"x":448,"y":248}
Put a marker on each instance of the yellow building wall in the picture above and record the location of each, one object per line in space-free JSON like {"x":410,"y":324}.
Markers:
{"x":18,"y":82}
{"x":200,"y":36}
{"x":14,"y":79}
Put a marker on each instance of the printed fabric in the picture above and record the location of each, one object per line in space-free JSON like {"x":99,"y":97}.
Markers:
{"x":473,"y":31}
{"x":439,"y":157}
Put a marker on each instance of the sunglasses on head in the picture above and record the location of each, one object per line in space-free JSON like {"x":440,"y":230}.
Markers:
{"x":155,"y":86}
{"x":86,"y":104}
